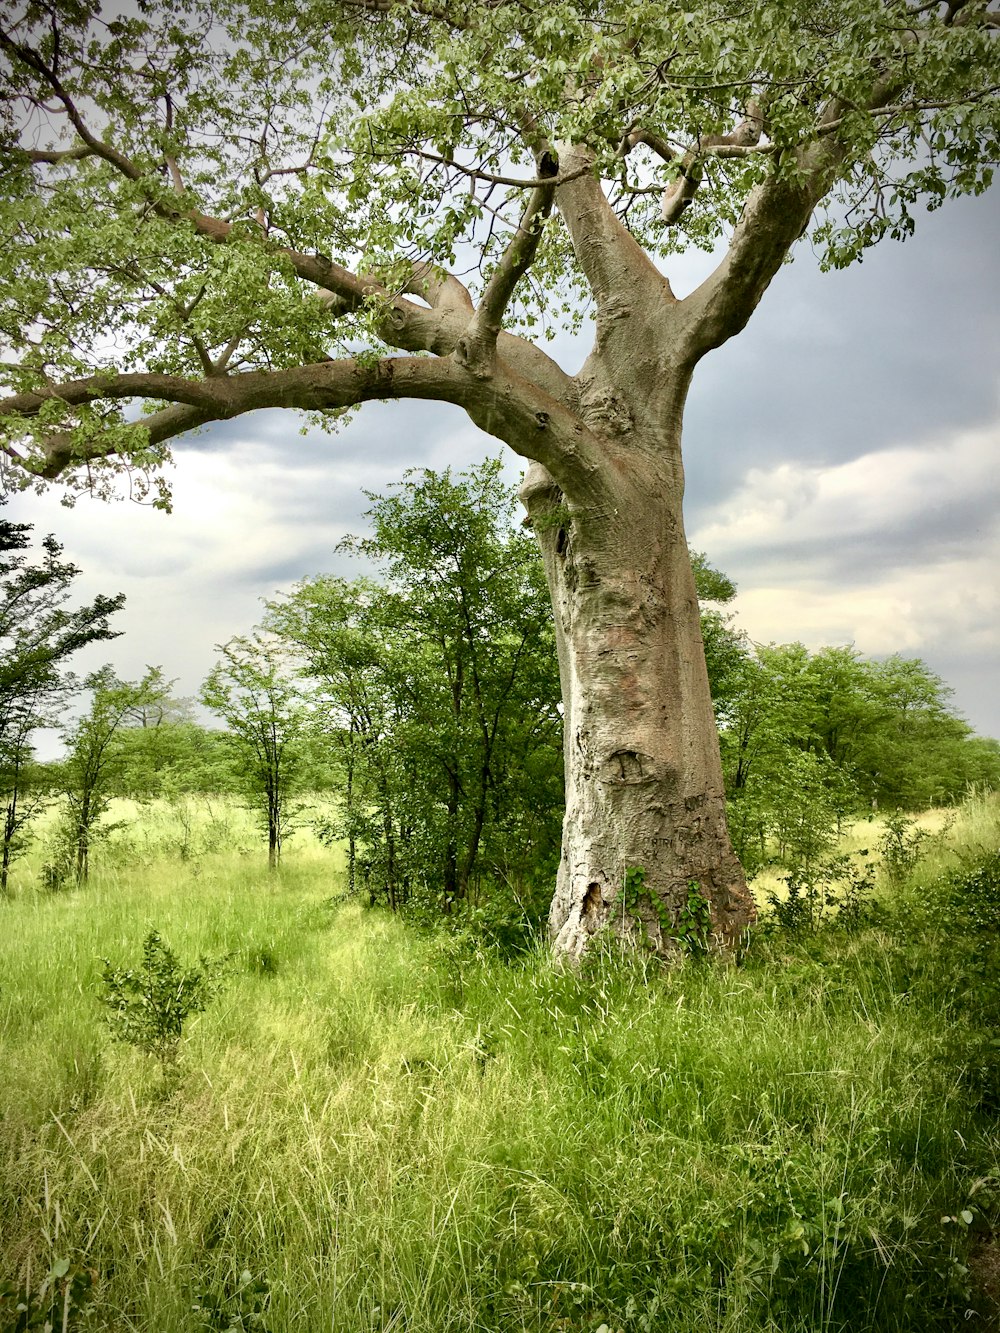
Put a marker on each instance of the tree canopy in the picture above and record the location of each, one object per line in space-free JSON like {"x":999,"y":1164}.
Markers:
{"x":215,"y":207}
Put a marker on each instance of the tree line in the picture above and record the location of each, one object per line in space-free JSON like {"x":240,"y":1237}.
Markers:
{"x":424,"y":696}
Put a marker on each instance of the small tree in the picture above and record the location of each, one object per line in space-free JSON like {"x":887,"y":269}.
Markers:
{"x":25,"y":791}
{"x":253,"y":689}
{"x":94,"y":752}
{"x":149,"y":1005}
{"x":444,"y":683}
{"x":38,"y":633}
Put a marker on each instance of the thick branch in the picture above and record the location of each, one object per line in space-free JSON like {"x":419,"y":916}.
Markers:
{"x":53,"y":156}
{"x":608,"y":253}
{"x":440,"y":289}
{"x":656,"y":142}
{"x":508,"y":406}
{"x":775,"y":215}
{"x":452,"y":307}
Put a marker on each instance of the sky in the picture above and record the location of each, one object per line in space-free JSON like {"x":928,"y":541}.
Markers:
{"x":842,"y":458}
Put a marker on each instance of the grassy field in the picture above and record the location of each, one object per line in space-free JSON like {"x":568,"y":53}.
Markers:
{"x":377,"y":1128}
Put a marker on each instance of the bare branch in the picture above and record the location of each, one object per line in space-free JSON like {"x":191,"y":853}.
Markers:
{"x":176,"y":179}
{"x":476,"y":349}
{"x":656,"y":142}
{"x":53,"y":157}
{"x":608,"y":253}
{"x":509,"y":406}
{"x":477,"y":173}
{"x":440,"y":289}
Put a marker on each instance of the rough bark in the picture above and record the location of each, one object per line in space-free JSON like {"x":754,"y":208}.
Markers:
{"x":644,"y":791}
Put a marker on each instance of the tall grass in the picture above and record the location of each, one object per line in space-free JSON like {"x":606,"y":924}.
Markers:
{"x":374,"y":1129}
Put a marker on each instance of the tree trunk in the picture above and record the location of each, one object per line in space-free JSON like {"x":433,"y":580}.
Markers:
{"x":644,"y":836}
{"x":273,"y":828}
{"x":352,"y":841}
{"x":84,"y":820}
{"x":9,"y":830}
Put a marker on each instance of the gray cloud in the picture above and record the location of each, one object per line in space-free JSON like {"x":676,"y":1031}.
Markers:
{"x":835,"y":365}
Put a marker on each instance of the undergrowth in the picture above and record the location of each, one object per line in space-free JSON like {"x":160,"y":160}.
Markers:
{"x":378,"y":1128}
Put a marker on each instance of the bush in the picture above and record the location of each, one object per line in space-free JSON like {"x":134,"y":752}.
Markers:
{"x":899,"y":847}
{"x":148,"y":1006}
{"x":835,"y":890}
{"x":974,"y":894}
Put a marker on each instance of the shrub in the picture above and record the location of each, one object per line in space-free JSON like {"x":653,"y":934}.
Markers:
{"x":899,"y":847}
{"x":148,"y":1006}
{"x":835,"y":890}
{"x":974,"y":893}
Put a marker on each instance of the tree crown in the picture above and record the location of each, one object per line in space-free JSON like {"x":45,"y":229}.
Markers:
{"x":220,"y":206}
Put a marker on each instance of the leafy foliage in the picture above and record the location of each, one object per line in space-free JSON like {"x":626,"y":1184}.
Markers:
{"x":440,"y":690}
{"x":974,"y":891}
{"x":92,"y":768}
{"x":253,"y":689}
{"x":61,"y":1298}
{"x":204,"y":171}
{"x":240,"y":1309}
{"x":149,"y":1005}
{"x":809,"y":739}
{"x":838,"y":889}
{"x":38,"y":634}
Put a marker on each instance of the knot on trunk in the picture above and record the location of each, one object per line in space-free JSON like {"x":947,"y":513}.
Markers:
{"x":475,"y":356}
{"x":629,"y":768}
{"x":605,"y":411}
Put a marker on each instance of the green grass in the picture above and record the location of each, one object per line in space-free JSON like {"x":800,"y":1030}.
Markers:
{"x":373,"y":1128}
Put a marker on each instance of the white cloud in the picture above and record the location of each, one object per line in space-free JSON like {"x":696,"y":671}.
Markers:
{"x":895,"y":551}
{"x":890,"y":489}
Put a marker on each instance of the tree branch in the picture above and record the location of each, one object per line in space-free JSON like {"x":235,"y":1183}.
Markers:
{"x":53,"y":157}
{"x":476,"y":349}
{"x":775,"y":215}
{"x":439,"y":288}
{"x":610,"y":256}
{"x":517,"y":182}
{"x":743,"y":139}
{"x":656,"y":142}
{"x":508,"y":406}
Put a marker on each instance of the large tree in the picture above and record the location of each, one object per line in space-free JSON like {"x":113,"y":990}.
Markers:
{"x":225,"y":206}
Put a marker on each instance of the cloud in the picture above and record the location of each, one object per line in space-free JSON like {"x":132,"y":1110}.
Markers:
{"x":833,"y":366}
{"x":252,"y":515}
{"x":896,"y":551}
{"x":901,"y":503}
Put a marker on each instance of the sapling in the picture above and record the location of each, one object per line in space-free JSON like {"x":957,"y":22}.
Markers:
{"x":148,"y":1006}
